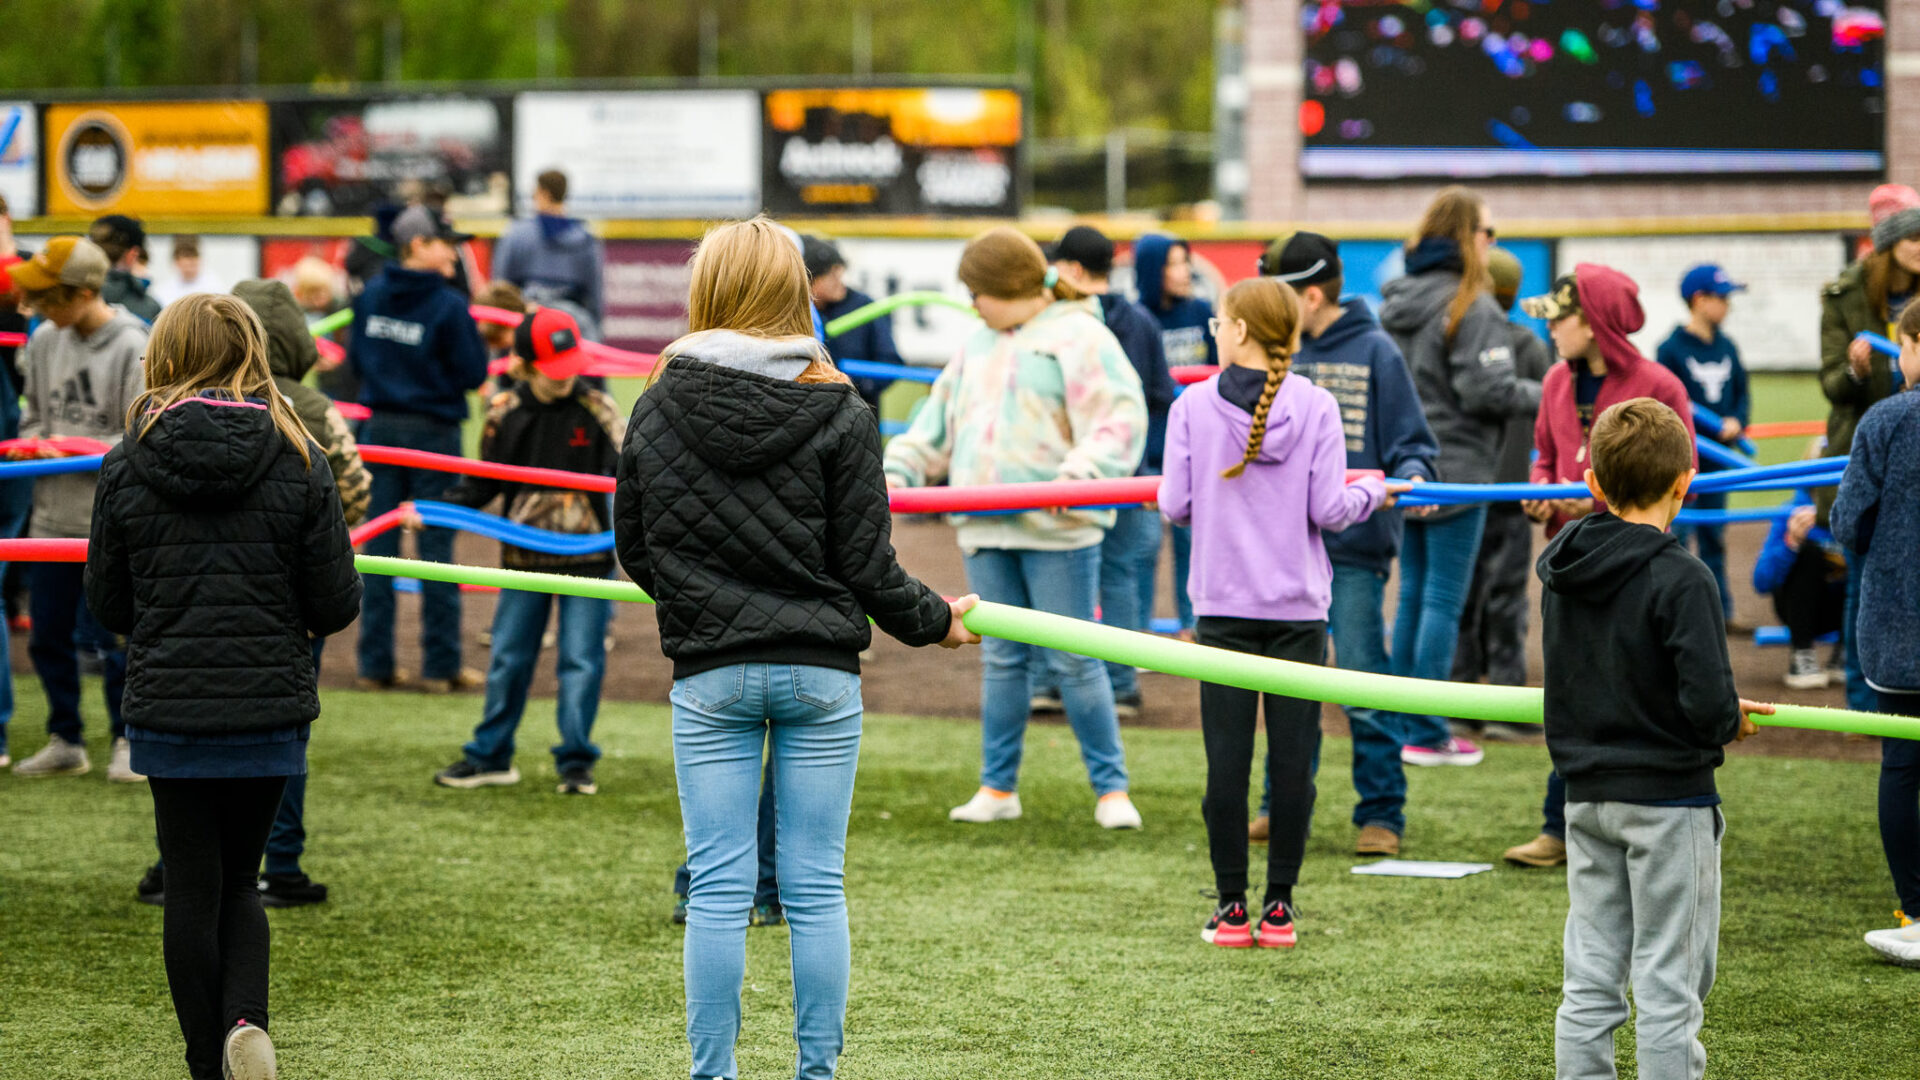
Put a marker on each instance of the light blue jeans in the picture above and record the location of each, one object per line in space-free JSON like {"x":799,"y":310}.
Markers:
{"x":1128,"y":558}
{"x":1063,"y":583}
{"x":807,"y":720}
{"x":1436,"y":572}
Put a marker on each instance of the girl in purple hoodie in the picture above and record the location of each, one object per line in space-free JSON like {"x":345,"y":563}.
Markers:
{"x":1256,"y":463}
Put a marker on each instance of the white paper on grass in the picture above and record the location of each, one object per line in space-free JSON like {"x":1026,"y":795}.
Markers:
{"x":1416,"y":868}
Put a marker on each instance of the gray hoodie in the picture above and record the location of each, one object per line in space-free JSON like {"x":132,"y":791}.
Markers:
{"x":1469,"y":388}
{"x":776,"y":358}
{"x":78,"y":387}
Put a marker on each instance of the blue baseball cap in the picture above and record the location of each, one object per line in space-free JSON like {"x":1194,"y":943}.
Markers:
{"x":1708,"y":278}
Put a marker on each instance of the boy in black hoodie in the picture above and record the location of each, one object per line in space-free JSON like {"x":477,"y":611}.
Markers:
{"x":1639,"y":704}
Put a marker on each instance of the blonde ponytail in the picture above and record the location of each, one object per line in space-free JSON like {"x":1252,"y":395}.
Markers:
{"x":1271,"y":310}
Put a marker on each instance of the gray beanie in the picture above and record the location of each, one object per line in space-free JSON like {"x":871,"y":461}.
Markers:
{"x":1896,"y":227}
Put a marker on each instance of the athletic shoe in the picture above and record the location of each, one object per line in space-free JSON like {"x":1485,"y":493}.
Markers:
{"x":767,"y":915}
{"x":1116,"y":811}
{"x":985,"y":806}
{"x":1259,"y":829}
{"x":58,"y":758}
{"x":466,"y":679}
{"x":1046,"y":703}
{"x":1229,"y":927}
{"x":1900,"y":945}
{"x":1806,"y":672}
{"x":465,"y":774}
{"x":1377,"y":840}
{"x":120,"y":765}
{"x":5,"y":761}
{"x":1542,"y":851}
{"x":1127,"y":706}
{"x":679,"y":910}
{"x":290,"y":890}
{"x":577,"y":781}
{"x":1276,"y":927}
{"x":153,"y":886}
{"x":1458,"y":751}
{"x":248,"y":1055}
{"x":399,"y":680}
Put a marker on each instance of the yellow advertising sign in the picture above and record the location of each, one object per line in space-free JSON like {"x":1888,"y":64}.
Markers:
{"x":172,"y":158}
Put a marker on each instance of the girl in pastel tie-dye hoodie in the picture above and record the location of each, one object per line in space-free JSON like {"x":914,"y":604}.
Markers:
{"x":1042,"y":391}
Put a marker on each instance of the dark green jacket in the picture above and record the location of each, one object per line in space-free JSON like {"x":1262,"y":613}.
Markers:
{"x":1845,"y":313}
{"x":291,"y":354}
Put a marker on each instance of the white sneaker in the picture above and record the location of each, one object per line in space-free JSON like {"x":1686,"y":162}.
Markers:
{"x":1458,"y":751}
{"x":1806,"y":672}
{"x":120,"y":766}
{"x":248,"y":1054}
{"x":986,"y":806}
{"x":1901,"y":946}
{"x":1116,"y":811}
{"x":58,"y":758}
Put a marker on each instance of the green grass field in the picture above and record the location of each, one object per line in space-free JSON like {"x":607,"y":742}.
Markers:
{"x":511,"y":933}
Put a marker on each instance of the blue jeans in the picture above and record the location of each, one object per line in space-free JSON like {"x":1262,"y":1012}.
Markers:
{"x":767,"y":889}
{"x":1360,"y":644}
{"x":16,"y":499}
{"x":519,"y":621}
{"x":1063,"y":583}
{"x":288,"y":840}
{"x":1860,"y":696}
{"x":1182,"y":563}
{"x":1128,"y":558}
{"x":1712,"y":544}
{"x":1436,"y":571}
{"x":439,"y":601}
{"x":1553,"y":808}
{"x":62,"y":626}
{"x":807,"y":720}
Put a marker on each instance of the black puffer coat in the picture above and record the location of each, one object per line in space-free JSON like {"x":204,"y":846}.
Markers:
{"x":216,"y":551}
{"x":754,"y":511}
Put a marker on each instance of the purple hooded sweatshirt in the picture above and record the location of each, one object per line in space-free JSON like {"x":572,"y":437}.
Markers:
{"x":1256,"y":538}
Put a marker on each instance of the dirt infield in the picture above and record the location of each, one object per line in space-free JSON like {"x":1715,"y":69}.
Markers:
{"x":933,"y":682}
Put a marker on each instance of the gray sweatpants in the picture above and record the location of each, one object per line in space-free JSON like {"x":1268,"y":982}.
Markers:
{"x":1644,"y":885}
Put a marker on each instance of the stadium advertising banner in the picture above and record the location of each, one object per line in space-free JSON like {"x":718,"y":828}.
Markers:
{"x":346,"y":156}
{"x":644,"y":291}
{"x":1691,"y":86}
{"x":666,"y":154}
{"x":20,"y":157}
{"x":177,"y":158}
{"x":940,"y":151}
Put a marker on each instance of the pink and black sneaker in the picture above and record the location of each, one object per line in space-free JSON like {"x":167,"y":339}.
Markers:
{"x":1456,"y":751}
{"x":1229,"y":928}
{"x":1276,"y":926}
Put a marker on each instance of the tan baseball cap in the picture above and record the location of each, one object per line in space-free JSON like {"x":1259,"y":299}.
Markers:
{"x":66,"y":260}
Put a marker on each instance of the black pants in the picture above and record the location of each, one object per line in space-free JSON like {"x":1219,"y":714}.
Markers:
{"x":212,"y":834}
{"x":1813,"y":598}
{"x":1229,"y":717}
{"x":1493,"y":628}
{"x":1900,"y":804}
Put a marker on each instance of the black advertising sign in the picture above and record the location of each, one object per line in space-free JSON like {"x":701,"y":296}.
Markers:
{"x":946,"y":151}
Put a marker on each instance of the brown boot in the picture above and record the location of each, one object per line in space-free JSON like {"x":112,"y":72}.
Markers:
{"x":467,"y":679}
{"x":1377,"y":840}
{"x":1258,"y":829}
{"x":399,"y":680}
{"x":1542,"y":850}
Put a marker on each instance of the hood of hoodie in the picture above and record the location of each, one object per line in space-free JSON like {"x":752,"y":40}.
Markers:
{"x":1355,"y":320}
{"x":737,"y":405}
{"x":1611,"y":302}
{"x":409,"y":284}
{"x":1150,"y":267}
{"x":1411,"y":302}
{"x":290,"y":349}
{"x":206,"y":450}
{"x":563,"y":231}
{"x":1284,"y":426}
{"x":1593,"y":556}
{"x":108,"y":336}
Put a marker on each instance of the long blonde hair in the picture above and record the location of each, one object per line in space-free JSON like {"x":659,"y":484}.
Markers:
{"x":1271,"y":310}
{"x":748,"y":277}
{"x":1457,"y":214}
{"x":205,"y":341}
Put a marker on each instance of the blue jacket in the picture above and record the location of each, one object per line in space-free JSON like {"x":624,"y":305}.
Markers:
{"x":1877,"y":516}
{"x":414,"y":346}
{"x":1711,"y":372}
{"x":1139,"y":337}
{"x":1776,"y":558}
{"x":1183,"y":323}
{"x":1380,"y":411}
{"x":552,"y":258}
{"x":873,"y":342}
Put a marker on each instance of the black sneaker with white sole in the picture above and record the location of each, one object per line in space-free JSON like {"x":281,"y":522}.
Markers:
{"x":577,"y":781}
{"x":153,"y":886}
{"x":290,"y":890}
{"x":465,"y":774}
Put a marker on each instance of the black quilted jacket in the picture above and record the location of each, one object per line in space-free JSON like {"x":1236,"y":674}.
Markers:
{"x":216,"y":551}
{"x":754,"y":511}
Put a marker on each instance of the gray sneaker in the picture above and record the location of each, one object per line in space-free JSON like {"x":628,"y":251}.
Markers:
{"x":58,"y":758}
{"x":120,"y":767}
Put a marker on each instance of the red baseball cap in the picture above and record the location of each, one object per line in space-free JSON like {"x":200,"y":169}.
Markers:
{"x":550,"y":339}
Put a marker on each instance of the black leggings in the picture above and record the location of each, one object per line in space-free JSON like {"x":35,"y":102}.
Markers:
{"x":1900,"y":804}
{"x":1229,"y":717}
{"x":1813,"y":598}
{"x":212,"y":834}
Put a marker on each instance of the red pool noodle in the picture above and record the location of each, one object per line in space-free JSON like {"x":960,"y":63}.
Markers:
{"x":1188,"y":374}
{"x":1044,"y":495}
{"x":12,"y":340}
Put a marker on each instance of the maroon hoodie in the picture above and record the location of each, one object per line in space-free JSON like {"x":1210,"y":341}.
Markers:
{"x":1611,"y":302}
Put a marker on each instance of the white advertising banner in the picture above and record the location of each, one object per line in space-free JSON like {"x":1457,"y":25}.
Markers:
{"x":1776,"y":322}
{"x":927,"y":334}
{"x":642,"y":154}
{"x":225,"y":261}
{"x":20,"y":158}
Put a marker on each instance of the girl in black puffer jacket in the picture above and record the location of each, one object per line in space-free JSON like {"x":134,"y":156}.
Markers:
{"x":219,"y":551}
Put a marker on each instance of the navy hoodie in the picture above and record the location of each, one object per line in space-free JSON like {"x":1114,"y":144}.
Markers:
{"x":872,"y":342}
{"x":1380,"y":411}
{"x":1183,"y":323}
{"x":1139,"y":337}
{"x":1711,"y":371}
{"x":414,"y":346}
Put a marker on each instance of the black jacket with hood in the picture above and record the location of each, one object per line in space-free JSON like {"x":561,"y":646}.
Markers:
{"x":753,"y":509}
{"x":1639,"y":691}
{"x":218,"y":553}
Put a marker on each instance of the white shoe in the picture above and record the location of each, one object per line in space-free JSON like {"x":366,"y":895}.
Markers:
{"x":1806,"y":672}
{"x":1116,"y":811}
{"x":120,"y":766}
{"x":1901,"y":946}
{"x":58,"y":758}
{"x":248,"y":1054}
{"x":985,"y":806}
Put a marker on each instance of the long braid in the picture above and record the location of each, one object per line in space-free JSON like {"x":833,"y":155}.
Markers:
{"x":1279,"y":359}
